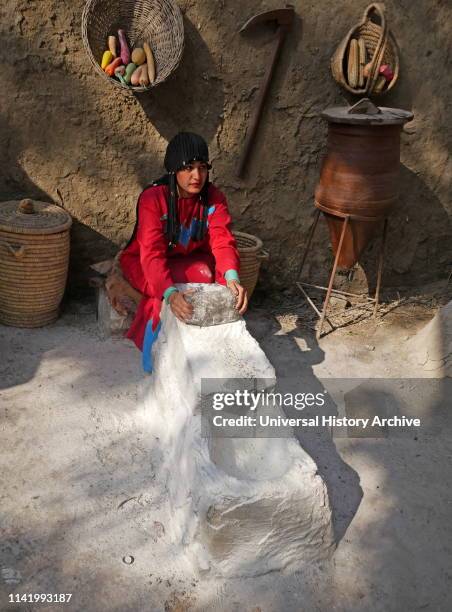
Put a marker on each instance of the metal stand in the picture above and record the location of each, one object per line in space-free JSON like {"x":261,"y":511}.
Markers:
{"x":329,"y":290}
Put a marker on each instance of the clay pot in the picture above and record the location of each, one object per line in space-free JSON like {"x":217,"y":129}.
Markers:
{"x":360,"y":173}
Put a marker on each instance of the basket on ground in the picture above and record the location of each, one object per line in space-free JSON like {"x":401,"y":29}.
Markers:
{"x":34,"y":258}
{"x":251,"y":256}
{"x":157,"y":22}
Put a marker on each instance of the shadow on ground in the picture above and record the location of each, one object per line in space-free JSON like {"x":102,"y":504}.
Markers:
{"x":293,"y":354}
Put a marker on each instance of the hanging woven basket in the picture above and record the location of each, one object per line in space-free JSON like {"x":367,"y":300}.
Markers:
{"x":380,"y":49}
{"x":252,"y":254}
{"x":157,"y":22}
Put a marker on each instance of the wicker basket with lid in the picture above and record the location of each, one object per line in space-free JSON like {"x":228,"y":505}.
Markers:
{"x":34,"y":259}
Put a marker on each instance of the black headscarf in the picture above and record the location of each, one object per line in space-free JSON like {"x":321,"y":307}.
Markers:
{"x":183,"y":149}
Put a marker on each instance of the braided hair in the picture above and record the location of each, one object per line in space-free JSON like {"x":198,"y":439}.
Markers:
{"x":184,"y":148}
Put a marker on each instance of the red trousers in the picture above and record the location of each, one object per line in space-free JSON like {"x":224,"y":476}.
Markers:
{"x":197,"y":267}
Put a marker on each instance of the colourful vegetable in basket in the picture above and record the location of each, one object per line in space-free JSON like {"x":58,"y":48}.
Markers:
{"x":112,"y":45}
{"x":353,"y":63}
{"x":107,"y":57}
{"x":380,"y":84}
{"x":125,"y":52}
{"x":150,"y":62}
{"x":362,"y":61}
{"x":144,"y":77}
{"x":135,"y":78}
{"x":138,"y":56}
{"x":120,"y":71}
{"x":110,"y":69}
{"x":386,"y":71}
{"x":366,"y":71}
{"x":130,"y":69}
{"x":140,"y":76}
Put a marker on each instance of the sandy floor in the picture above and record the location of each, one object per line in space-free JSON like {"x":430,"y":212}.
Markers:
{"x":81,"y":513}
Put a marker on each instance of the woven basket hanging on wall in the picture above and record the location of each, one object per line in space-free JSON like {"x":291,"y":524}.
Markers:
{"x":252,"y":254}
{"x":381,"y":48}
{"x":157,"y":22}
{"x":34,"y":258}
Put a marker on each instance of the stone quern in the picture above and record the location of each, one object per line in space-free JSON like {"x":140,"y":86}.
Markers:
{"x":238,"y":506}
{"x":213,"y":304}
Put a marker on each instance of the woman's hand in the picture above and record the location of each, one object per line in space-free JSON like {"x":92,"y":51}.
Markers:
{"x":179,"y":305}
{"x":240,"y":293}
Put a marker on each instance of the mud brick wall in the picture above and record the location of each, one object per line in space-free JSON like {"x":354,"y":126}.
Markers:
{"x":67,"y":136}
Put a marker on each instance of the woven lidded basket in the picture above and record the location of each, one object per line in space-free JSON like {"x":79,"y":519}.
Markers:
{"x":252,"y":254}
{"x":34,"y":258}
{"x":157,"y":22}
{"x":381,"y":48}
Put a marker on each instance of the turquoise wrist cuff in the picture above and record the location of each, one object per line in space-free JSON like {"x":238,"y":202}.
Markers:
{"x":231,"y":275}
{"x":168,"y":292}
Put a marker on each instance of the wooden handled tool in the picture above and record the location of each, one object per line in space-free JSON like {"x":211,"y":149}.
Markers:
{"x":283,"y":18}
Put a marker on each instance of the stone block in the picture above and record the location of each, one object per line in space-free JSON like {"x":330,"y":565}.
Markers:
{"x":238,"y":506}
{"x":213,"y":304}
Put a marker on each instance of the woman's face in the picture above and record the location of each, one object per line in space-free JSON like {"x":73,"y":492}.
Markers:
{"x":192,"y":178}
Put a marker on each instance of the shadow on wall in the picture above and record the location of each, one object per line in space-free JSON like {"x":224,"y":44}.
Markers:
{"x":15,"y":183}
{"x":419,"y":238}
{"x":191,"y":99}
{"x":81,"y":145}
{"x":84,"y":242}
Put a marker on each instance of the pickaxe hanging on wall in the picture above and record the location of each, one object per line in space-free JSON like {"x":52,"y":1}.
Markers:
{"x":283,"y":19}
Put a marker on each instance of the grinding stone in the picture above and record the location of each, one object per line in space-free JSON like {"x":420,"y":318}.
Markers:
{"x":213,"y":304}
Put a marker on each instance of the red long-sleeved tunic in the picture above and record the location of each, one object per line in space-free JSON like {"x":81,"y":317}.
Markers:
{"x":151,"y":267}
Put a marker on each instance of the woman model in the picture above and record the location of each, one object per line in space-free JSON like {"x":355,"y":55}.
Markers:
{"x":182,"y":235}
